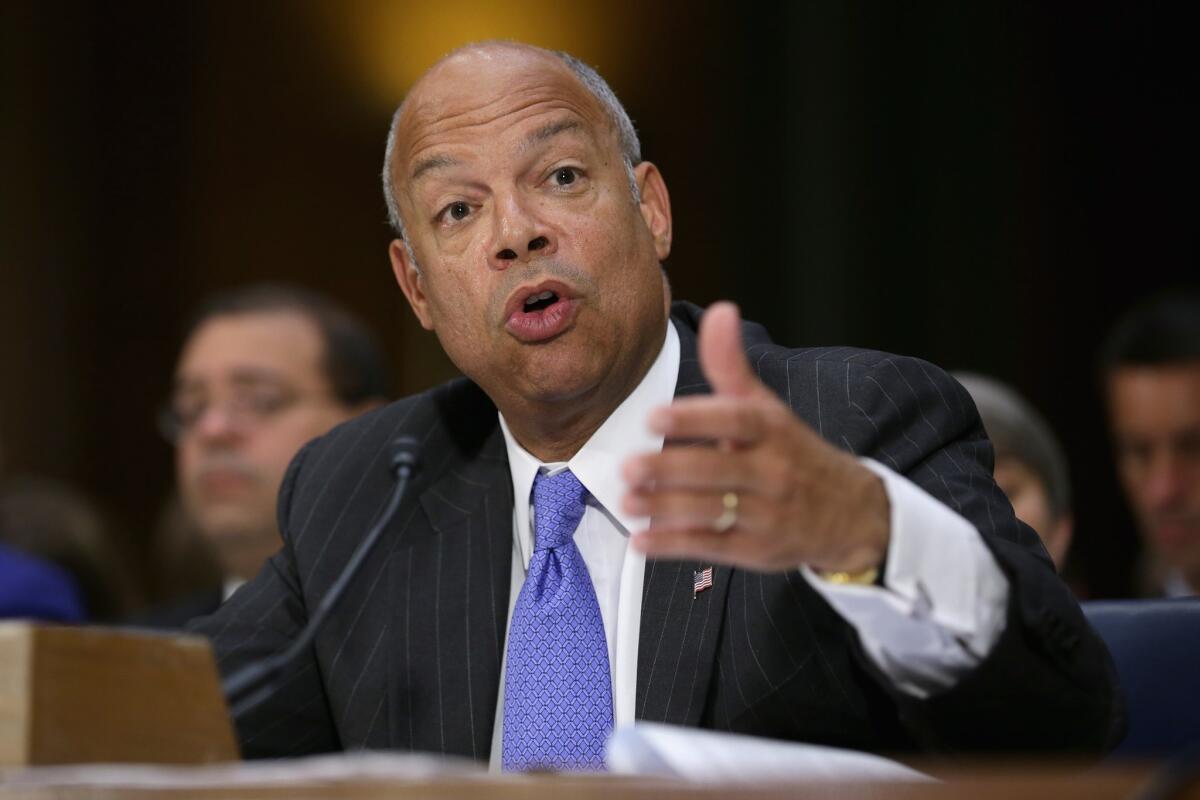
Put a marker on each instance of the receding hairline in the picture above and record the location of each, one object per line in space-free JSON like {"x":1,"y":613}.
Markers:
{"x":554,"y":59}
{"x":484,"y":48}
{"x":269,"y":319}
{"x":350,"y":358}
{"x":585,"y":76}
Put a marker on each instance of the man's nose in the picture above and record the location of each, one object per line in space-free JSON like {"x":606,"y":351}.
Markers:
{"x":519,"y":232}
{"x":215,"y":424}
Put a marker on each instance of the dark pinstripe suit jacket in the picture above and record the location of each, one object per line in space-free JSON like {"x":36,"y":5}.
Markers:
{"x":411,"y":658}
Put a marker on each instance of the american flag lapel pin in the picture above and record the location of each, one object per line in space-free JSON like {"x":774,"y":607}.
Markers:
{"x":701,"y":581}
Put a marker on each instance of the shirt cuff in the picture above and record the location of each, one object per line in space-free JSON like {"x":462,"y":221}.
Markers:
{"x":943,"y":603}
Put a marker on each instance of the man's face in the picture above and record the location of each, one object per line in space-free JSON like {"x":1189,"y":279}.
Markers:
{"x":249,"y":391}
{"x":538,"y":271}
{"x":1155,"y":417}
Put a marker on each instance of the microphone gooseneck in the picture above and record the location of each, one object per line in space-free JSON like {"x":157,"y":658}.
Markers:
{"x":254,"y":683}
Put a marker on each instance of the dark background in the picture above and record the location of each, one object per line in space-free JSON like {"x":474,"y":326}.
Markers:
{"x":985,"y":185}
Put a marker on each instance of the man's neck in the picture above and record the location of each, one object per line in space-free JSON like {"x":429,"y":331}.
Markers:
{"x":244,"y":562}
{"x":552,"y":437}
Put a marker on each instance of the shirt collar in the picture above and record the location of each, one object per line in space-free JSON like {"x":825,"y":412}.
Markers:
{"x":230,"y":586}
{"x":1176,"y":585}
{"x":597,"y":465}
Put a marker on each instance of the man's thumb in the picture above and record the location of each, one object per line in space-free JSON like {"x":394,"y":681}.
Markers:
{"x":721,"y":356}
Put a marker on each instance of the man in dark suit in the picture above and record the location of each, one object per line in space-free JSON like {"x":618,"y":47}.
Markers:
{"x":829,"y":559}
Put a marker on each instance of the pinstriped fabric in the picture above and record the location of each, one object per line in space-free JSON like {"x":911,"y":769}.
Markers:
{"x":411,"y":659}
{"x":454,"y":609}
{"x":369,"y":686}
{"x":380,"y":445}
{"x":678,"y":636}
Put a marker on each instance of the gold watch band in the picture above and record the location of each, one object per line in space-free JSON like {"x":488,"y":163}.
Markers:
{"x":865,"y":578}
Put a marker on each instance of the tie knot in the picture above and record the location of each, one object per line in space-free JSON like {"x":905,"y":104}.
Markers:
{"x":557,"y":508}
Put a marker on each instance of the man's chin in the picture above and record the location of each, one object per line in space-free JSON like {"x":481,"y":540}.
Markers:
{"x":555,"y":386}
{"x":1178,"y":546}
{"x":235,"y":527}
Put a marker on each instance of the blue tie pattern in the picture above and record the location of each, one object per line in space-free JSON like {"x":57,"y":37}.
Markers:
{"x":557,"y":689}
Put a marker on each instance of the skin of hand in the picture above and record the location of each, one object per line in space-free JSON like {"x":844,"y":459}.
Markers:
{"x":800,"y":499}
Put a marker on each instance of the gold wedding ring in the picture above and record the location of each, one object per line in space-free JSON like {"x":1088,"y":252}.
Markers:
{"x":729,"y":515}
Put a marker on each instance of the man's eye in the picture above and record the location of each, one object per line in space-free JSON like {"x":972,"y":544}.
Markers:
{"x":565,"y":176}
{"x":261,"y":402}
{"x":187,"y":412}
{"x":456,"y":211}
{"x":1132,"y":453}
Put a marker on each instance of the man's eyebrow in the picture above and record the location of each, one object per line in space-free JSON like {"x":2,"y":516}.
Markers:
{"x":549,"y":131}
{"x":256,"y":376}
{"x":431,"y":163}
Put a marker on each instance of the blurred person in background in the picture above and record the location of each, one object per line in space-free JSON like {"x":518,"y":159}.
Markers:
{"x":34,"y":588}
{"x":263,"y":370}
{"x":57,"y":524}
{"x":1151,"y":372}
{"x":1030,"y":466}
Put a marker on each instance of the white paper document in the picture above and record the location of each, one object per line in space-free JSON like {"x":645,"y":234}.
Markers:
{"x":327,"y":769}
{"x":701,"y":756}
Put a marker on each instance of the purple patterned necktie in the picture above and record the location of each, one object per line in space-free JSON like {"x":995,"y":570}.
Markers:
{"x":557,"y":689}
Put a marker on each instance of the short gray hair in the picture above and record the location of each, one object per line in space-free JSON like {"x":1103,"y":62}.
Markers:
{"x":627,"y":138}
{"x":1019,"y":432}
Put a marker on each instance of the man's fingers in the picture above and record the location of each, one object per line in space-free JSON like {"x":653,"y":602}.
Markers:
{"x":717,"y":417}
{"x":685,"y":508}
{"x":691,"y":468}
{"x":721,"y":355}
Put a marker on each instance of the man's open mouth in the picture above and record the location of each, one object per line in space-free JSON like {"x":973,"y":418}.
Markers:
{"x":540,"y":301}
{"x":541,"y":312}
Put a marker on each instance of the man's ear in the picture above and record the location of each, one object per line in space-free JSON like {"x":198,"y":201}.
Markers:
{"x":655,"y":206}
{"x":410,"y":280}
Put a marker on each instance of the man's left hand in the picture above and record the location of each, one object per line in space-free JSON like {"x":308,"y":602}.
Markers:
{"x":763,"y":491}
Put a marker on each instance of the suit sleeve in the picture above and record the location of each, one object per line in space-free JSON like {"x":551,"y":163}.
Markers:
{"x":1048,"y":682}
{"x":260,"y":620}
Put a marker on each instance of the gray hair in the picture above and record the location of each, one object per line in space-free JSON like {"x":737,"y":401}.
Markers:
{"x":1019,"y":432}
{"x":627,"y":138}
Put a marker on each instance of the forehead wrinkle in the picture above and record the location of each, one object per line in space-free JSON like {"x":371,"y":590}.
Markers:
{"x":547,"y":132}
{"x":435,"y":116}
{"x":432,"y":163}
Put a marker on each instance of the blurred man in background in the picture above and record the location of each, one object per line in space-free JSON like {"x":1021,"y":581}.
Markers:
{"x":263,"y":370}
{"x":1151,"y":366}
{"x":1030,"y":466}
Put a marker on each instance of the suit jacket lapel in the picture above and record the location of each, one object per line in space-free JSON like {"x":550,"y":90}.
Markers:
{"x":450,"y":572}
{"x":679,"y":629}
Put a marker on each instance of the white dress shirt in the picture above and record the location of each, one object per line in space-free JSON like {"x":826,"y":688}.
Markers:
{"x":939,"y":613}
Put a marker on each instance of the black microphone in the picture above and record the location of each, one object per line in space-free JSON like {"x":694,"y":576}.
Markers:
{"x":255,"y":682}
